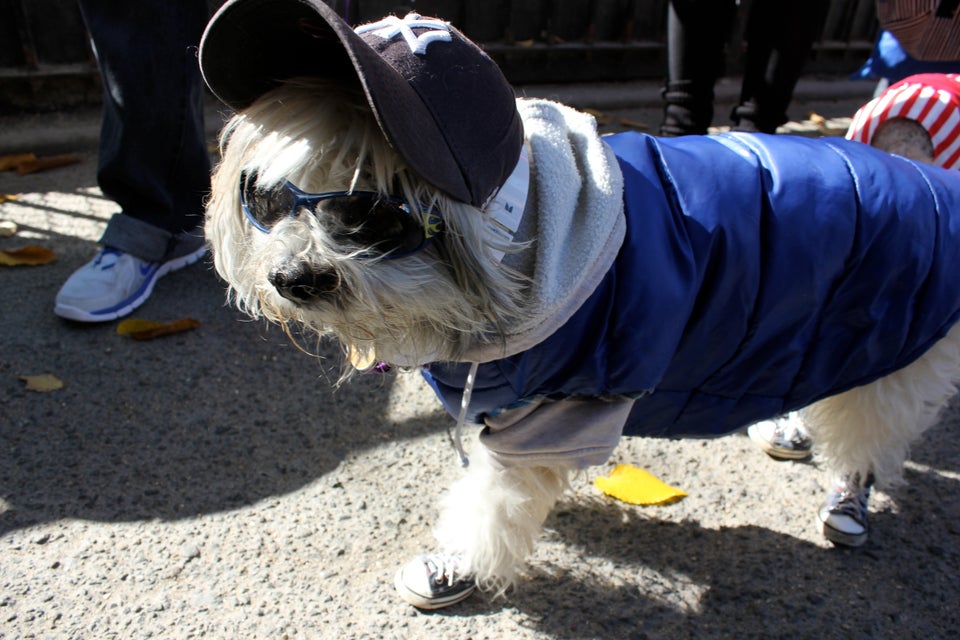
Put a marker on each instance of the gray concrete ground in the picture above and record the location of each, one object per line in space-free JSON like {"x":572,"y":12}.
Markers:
{"x":213,"y":484}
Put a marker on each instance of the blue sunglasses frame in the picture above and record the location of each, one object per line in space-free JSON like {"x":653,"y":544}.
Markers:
{"x":430,"y":219}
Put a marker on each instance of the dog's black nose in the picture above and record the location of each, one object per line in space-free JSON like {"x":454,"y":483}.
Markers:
{"x":299,"y":283}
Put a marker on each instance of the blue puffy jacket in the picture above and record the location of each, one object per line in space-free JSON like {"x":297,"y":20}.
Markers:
{"x":759,"y":274}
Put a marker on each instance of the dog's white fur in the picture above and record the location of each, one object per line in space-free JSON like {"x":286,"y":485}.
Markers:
{"x":432,"y":304}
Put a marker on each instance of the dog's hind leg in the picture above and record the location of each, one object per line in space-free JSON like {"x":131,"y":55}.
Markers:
{"x":866,"y":433}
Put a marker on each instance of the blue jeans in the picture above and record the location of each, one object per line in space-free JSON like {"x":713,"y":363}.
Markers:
{"x":153,"y":158}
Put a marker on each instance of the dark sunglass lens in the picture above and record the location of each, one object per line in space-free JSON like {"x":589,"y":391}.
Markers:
{"x":268,"y":206}
{"x":377,"y":224}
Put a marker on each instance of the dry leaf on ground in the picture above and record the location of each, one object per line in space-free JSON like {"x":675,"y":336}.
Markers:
{"x":27,"y":256}
{"x":45,"y":163}
{"x":8,"y":197}
{"x":42,"y":383}
{"x":139,"y":329}
{"x":24,"y":163}
{"x":636,"y":486}
{"x":12,"y":161}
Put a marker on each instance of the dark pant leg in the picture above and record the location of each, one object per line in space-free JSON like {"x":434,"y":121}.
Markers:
{"x":779,"y":36}
{"x":153,"y":157}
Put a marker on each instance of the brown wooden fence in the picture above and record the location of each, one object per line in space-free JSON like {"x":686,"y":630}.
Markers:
{"x":45,"y":59}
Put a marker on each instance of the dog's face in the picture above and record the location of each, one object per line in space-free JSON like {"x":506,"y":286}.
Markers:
{"x":387,"y":264}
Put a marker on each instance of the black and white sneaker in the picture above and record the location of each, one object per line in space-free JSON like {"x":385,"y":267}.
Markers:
{"x":432,"y":582}
{"x":844,"y":514}
{"x":784,"y":438}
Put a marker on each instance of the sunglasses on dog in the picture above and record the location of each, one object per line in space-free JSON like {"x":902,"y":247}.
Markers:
{"x":384,"y":225}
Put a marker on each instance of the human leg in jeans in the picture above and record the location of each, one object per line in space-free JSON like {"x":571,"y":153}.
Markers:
{"x":153,"y":159}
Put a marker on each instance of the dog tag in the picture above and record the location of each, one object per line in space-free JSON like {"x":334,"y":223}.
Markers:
{"x":362,"y":358}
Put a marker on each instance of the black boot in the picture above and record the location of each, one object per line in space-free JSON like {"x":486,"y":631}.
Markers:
{"x":688,"y":108}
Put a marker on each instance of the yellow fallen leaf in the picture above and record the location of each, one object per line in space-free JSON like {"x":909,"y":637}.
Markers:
{"x":134,"y":325}
{"x":42,"y":383}
{"x":8,"y":162}
{"x":31,"y":256}
{"x":8,"y":197}
{"x":148,"y":329}
{"x":47,"y":162}
{"x":636,"y":486}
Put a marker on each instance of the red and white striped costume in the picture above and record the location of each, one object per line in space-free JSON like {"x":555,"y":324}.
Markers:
{"x":932,"y":99}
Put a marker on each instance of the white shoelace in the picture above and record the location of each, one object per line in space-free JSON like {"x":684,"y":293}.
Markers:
{"x":444,"y":567}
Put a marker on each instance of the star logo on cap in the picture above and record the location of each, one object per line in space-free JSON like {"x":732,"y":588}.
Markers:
{"x":392,"y":26}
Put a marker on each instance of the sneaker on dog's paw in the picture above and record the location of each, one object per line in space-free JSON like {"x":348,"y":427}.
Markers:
{"x":432,"y":582}
{"x":783,"y":438}
{"x":844,"y":514}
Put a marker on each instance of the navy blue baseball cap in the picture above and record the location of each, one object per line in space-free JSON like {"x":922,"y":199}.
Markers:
{"x":441,"y":102}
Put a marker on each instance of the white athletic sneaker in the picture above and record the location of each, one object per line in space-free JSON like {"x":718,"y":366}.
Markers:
{"x":113,"y":284}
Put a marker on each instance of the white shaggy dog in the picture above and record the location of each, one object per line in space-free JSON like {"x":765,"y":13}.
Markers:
{"x":563,"y":290}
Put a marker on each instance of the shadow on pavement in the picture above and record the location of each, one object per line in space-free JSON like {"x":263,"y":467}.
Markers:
{"x":199,"y":422}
